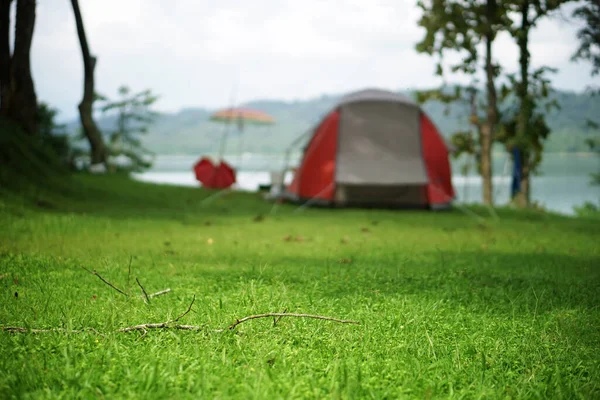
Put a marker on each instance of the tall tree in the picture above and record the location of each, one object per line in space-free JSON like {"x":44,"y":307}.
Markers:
{"x":530,"y":131}
{"x":589,"y":50}
{"x":461,"y":26}
{"x":5,"y":56}
{"x":19,"y":100}
{"x":98,"y":150}
{"x":525,"y":140}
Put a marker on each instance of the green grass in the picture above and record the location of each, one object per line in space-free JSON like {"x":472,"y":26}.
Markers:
{"x":448,"y":307}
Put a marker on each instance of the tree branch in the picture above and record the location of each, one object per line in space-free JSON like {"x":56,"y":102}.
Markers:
{"x":105,"y":281}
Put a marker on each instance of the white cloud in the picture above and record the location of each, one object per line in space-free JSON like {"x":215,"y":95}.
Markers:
{"x":192,"y":51}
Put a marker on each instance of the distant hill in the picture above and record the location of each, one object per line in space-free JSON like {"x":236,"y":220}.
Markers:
{"x":189,"y":131}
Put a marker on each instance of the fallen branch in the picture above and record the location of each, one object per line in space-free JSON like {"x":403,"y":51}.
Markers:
{"x":105,"y":281}
{"x":167,"y":324}
{"x":341,"y":321}
{"x":159,"y":293}
{"x":171,"y":323}
{"x":143,"y":291}
{"x":26,"y":330}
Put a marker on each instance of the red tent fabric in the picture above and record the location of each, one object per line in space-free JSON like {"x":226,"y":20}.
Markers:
{"x":318,"y":167}
{"x":435,"y":155}
{"x":375,"y":148}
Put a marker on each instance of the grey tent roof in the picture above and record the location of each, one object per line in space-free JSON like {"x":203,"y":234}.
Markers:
{"x":375,"y":95}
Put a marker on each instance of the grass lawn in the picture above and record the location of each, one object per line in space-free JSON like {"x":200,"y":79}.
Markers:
{"x":447,"y":306}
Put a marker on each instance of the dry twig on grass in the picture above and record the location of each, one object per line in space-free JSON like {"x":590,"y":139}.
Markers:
{"x":129,"y":272}
{"x":159,"y":293}
{"x":144,"y":327}
{"x":27,"y":330}
{"x":171,"y":323}
{"x":143,"y":291}
{"x":145,"y":294}
{"x":105,"y":281}
{"x":276,"y":319}
{"x":248,"y":318}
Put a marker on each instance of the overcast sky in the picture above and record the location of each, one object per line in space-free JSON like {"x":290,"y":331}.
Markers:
{"x":191,"y":52}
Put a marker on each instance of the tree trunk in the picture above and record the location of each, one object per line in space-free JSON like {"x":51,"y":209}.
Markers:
{"x":488,"y":129}
{"x":97,"y":147}
{"x":485,"y":142}
{"x":522,"y":197}
{"x":4,"y":56}
{"x":23,"y":100}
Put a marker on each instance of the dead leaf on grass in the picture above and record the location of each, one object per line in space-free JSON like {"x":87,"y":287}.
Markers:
{"x":345,"y":260}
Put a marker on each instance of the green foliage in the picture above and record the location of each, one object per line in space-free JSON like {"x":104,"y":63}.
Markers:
{"x":537,"y":130}
{"x":594,"y":145}
{"x":505,"y":309}
{"x":133,"y":118}
{"x":441,"y":95}
{"x":459,"y":26}
{"x":588,"y":209}
{"x":589,"y":34}
{"x":55,"y":136}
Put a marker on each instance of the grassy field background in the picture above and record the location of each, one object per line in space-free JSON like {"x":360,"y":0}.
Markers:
{"x":448,"y":306}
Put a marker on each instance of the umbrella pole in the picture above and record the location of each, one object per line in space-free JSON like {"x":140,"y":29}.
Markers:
{"x":241,"y":145}
{"x":223,"y":141}
{"x":232,"y":99}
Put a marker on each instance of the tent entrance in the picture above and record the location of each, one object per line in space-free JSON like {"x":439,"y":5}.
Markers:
{"x":389,"y":195}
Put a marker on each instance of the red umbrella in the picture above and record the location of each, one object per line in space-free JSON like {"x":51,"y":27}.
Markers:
{"x":220,"y":176}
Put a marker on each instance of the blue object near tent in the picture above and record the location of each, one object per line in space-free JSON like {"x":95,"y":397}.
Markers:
{"x":516,"y":175}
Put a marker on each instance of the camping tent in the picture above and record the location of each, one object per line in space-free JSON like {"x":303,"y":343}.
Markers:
{"x":374,"y":148}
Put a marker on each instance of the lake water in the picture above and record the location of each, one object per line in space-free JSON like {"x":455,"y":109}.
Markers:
{"x":563,"y":181}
